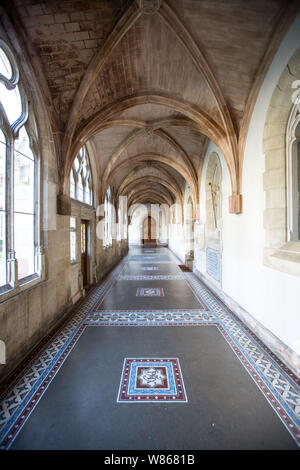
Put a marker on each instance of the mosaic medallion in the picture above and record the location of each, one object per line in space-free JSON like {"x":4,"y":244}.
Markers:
{"x":151,"y":380}
{"x":150,"y":292}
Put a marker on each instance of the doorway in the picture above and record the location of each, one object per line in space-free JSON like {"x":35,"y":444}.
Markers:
{"x":149,"y":230}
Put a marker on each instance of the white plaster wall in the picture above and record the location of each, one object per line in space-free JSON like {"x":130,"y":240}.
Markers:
{"x":176,"y":240}
{"x":270,"y":296}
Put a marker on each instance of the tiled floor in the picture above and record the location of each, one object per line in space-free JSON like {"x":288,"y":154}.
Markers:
{"x":213,"y":385}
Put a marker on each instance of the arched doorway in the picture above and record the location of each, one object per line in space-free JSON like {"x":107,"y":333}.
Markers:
{"x":149,"y":230}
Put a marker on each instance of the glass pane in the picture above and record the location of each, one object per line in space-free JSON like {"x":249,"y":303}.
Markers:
{"x":80,"y":194}
{"x":87,"y":196}
{"x":73,"y":246}
{"x":24,"y":184}
{"x":298,"y":202}
{"x":22,"y":144}
{"x":2,"y":249}
{"x":2,"y":209}
{"x":2,"y":170}
{"x":24,"y":243}
{"x":5,"y":67}
{"x":84,"y":172}
{"x":76,"y":163}
{"x":73,"y":238}
{"x":11,"y":102}
{"x":72,"y":223}
{"x":72,"y":185}
{"x":23,"y":174}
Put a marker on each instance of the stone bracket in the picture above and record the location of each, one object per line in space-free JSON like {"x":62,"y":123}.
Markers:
{"x":235,"y":204}
{"x":63,"y":204}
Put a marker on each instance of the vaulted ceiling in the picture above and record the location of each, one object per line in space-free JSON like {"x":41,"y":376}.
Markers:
{"x":149,"y":82}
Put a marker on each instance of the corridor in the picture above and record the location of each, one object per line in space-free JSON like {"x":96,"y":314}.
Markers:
{"x":151,"y":359}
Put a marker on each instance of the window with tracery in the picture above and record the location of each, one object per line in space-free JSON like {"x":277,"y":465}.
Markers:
{"x":19,"y":199}
{"x":81,"y":184}
{"x":293,"y":174}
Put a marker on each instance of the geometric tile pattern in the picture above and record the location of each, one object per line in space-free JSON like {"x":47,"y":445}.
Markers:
{"x":151,"y":262}
{"x":150,"y":318}
{"x":279,"y":385}
{"x":169,"y":277}
{"x":151,"y":380}
{"x":150,"y":292}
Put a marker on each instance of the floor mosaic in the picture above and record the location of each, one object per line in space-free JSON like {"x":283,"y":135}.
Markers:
{"x":151,"y":380}
{"x":151,"y":262}
{"x":150,"y":292}
{"x":151,"y":318}
{"x":161,"y":277}
{"x":150,"y":268}
{"x":279,"y":385}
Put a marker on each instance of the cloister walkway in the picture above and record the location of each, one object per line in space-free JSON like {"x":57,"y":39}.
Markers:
{"x":151,"y":359}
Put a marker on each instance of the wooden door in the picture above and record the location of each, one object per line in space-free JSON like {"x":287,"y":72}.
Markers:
{"x":149,"y":229}
{"x":84,"y":251}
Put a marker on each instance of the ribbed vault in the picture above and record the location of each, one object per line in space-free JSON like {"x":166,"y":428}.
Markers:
{"x":149,"y":91}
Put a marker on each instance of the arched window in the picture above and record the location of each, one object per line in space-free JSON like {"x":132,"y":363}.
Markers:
{"x":19,"y":202}
{"x":81,"y":184}
{"x":293,"y":174}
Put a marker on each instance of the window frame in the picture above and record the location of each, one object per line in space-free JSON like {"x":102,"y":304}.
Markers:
{"x":292,"y":183}
{"x":73,"y":230}
{"x":11,"y":130}
{"x":83,"y":157}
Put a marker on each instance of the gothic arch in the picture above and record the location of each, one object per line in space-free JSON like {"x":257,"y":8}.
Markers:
{"x":280,"y":135}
